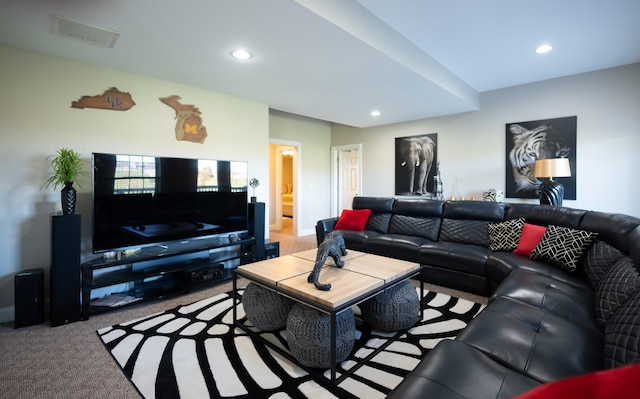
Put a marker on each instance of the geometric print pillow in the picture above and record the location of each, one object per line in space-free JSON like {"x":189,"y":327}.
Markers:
{"x":563,"y":246}
{"x":504,"y":236}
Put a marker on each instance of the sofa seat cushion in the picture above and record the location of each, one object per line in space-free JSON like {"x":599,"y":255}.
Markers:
{"x":357,"y":240}
{"x":456,"y":256}
{"x":571,"y":301}
{"x":397,"y":246}
{"x":501,"y":264}
{"x":454,"y":370}
{"x":447,"y":277}
{"x":534,"y":342}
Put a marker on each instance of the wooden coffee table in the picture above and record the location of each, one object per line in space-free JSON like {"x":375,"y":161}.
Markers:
{"x":362,"y":277}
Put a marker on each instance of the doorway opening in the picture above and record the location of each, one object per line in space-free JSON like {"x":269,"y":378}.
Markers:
{"x":284,"y":187}
{"x":346,"y":179}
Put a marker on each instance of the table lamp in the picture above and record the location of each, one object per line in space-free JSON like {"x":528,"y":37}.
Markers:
{"x":551,"y":191}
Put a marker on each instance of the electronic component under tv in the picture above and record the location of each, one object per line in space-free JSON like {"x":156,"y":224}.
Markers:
{"x":143,"y":200}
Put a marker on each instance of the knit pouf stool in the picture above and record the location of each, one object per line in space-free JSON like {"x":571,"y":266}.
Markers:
{"x":265,"y":309}
{"x":396,"y":308}
{"x":309,"y":335}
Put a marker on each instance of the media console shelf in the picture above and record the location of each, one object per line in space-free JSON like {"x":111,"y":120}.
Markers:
{"x":162,"y":270}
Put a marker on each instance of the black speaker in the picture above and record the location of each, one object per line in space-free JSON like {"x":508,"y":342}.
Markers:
{"x":256,"y":228}
{"x":65,"y":269}
{"x":29,"y":297}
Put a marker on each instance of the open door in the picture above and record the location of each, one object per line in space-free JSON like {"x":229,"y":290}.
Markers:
{"x":284,"y":184}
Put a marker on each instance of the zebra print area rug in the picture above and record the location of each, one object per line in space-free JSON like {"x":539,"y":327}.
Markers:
{"x":193,"y":352}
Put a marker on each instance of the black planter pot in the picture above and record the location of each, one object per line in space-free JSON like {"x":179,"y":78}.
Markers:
{"x":68,"y":198}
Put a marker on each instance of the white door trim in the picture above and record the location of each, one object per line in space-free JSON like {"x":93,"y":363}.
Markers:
{"x":297,"y":194}
{"x":335,"y":181}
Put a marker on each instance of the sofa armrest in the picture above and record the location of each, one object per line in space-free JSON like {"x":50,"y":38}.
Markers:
{"x":323,"y":227}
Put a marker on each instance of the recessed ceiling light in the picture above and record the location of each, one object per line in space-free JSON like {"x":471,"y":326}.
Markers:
{"x":545,"y":48}
{"x":375,"y":113}
{"x":241,"y":54}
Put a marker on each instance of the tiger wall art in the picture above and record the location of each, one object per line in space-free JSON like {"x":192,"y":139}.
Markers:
{"x":542,"y":139}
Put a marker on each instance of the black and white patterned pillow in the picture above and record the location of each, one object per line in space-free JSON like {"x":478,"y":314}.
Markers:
{"x":504,"y":236}
{"x":563,"y":246}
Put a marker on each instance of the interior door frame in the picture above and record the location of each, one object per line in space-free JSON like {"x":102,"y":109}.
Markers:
{"x":282,"y":145}
{"x":335,"y":178}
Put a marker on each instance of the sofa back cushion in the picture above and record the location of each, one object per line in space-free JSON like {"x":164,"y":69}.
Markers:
{"x":612,"y":228}
{"x":634,"y":245}
{"x":465,"y":231}
{"x":621,"y":334}
{"x":599,"y":258}
{"x":381,"y":208}
{"x":617,"y":284}
{"x":474,"y":210}
{"x":416,"y":217}
{"x":466,"y":222}
{"x":545,"y":215}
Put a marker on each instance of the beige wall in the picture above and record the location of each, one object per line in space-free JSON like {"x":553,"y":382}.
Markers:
{"x":313,"y":139}
{"x":36,"y":120}
{"x":471,"y":146}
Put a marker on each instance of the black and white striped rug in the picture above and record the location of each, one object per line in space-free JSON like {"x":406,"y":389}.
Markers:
{"x":193,"y":352}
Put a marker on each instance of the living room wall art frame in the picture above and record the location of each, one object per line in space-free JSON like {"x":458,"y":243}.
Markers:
{"x":539,"y":139}
{"x":415,"y":161}
{"x":111,"y":99}
{"x":188,"y":117}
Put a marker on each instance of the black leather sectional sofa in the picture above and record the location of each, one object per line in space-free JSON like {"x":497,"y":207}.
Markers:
{"x":542,"y":323}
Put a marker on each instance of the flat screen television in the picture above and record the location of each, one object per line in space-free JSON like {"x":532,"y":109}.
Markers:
{"x":143,"y":200}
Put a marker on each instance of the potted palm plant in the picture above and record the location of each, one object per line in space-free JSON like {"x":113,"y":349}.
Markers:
{"x":67,"y":169}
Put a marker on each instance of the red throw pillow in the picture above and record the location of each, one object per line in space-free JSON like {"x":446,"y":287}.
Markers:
{"x":530,"y":237}
{"x":618,"y":383}
{"x":354,"y":219}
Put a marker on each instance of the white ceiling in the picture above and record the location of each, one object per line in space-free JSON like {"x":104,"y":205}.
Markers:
{"x":337,"y":60}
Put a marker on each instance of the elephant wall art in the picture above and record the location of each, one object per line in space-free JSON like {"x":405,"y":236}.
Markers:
{"x":415,"y":158}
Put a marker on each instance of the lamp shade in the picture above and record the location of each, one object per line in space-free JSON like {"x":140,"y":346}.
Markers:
{"x":556,"y":167}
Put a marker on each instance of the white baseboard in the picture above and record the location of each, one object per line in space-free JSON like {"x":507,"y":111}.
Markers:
{"x":307,"y":232}
{"x":7,"y":314}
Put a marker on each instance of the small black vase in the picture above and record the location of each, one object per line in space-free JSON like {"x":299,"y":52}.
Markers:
{"x":68,"y":198}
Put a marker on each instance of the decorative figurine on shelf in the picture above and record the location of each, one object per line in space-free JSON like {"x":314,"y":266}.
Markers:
{"x":437,"y":184}
{"x":332,"y":245}
{"x":254,"y":183}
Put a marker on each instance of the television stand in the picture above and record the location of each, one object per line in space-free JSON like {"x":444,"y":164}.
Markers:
{"x":162,"y":270}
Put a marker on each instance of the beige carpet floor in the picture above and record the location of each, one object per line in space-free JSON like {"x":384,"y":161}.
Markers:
{"x":68,"y":362}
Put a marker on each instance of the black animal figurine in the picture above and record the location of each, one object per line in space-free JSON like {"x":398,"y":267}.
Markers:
{"x":332,"y":245}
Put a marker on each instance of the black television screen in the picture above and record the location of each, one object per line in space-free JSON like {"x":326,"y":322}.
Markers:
{"x":142,"y":200}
